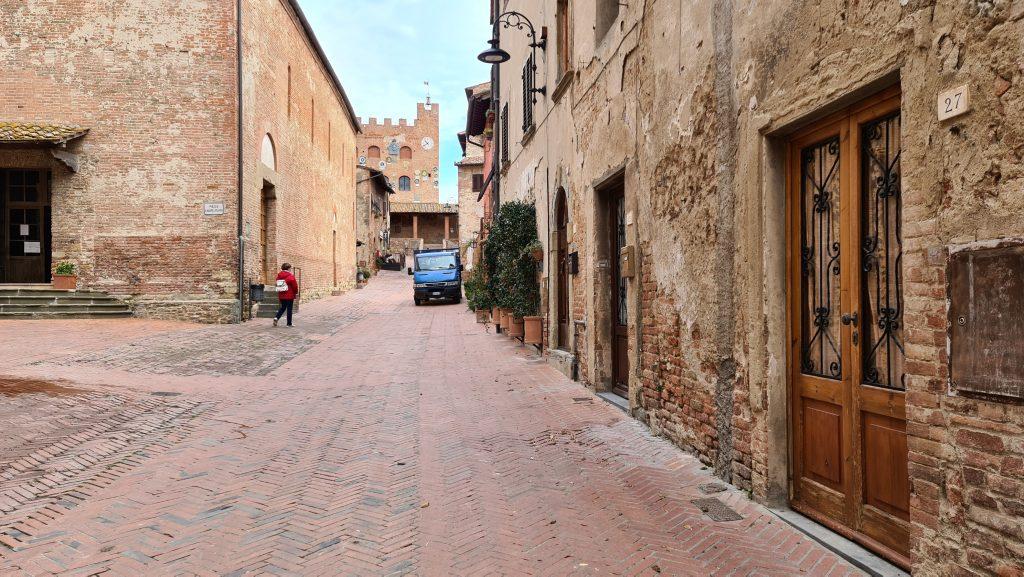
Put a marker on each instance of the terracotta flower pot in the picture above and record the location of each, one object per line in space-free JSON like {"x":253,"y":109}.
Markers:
{"x":496,"y":317}
{"x":515,"y":329}
{"x":482,"y":316}
{"x":65,"y":282}
{"x":533,"y":330}
{"x":506,"y":320}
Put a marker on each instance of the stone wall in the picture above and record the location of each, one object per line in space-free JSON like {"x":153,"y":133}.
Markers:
{"x":291,"y":98}
{"x":692,"y":104}
{"x":470,"y":211}
{"x":371,"y":216}
{"x":422,"y":136}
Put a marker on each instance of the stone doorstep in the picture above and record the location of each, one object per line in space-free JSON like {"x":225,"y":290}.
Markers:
{"x":563,"y":361}
{"x":863,"y":559}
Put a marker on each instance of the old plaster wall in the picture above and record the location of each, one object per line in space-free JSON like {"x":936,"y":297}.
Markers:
{"x":961,"y":181}
{"x":693,"y":102}
{"x":314,"y":190}
{"x":155,"y":83}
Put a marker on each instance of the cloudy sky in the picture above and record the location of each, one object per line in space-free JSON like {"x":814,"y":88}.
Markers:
{"x":383,"y":51}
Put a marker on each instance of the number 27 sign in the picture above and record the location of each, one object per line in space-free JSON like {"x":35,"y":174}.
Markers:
{"x":954,"y":102}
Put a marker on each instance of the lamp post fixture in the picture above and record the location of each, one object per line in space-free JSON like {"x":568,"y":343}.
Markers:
{"x":495,"y":55}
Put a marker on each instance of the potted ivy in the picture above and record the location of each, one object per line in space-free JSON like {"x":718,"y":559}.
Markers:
{"x":64,"y":277}
{"x":536,"y":250}
{"x":478,"y":296}
{"x":518,"y":291}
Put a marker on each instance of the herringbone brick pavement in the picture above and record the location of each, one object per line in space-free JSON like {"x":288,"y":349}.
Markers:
{"x":376,"y":438}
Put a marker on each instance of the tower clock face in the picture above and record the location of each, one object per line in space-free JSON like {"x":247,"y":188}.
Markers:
{"x":427,"y":143}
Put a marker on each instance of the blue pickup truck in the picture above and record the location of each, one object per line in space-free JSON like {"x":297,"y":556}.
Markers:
{"x":437,"y":275}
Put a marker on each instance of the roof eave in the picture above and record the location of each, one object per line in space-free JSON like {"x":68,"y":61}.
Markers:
{"x":327,"y":64}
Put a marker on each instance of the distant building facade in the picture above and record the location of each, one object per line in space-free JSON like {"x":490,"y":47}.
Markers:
{"x":471,"y":187}
{"x":145,"y":160}
{"x":373,"y":215}
{"x":408,"y":154}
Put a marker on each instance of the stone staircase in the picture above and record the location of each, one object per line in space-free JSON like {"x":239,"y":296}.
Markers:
{"x":270,"y":304}
{"x":44,"y":302}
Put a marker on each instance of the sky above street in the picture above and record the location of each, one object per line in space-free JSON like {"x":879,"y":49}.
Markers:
{"x":384,"y":50}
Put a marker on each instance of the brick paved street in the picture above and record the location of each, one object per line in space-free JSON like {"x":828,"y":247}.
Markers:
{"x":375,"y":438}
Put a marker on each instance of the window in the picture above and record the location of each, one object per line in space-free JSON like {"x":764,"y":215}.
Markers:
{"x":607,"y":14}
{"x":478,"y":182}
{"x":405,"y":153}
{"x":528,"y":75}
{"x":562,"y":22}
{"x":373,"y":152}
{"x":404,"y":183}
{"x":504,"y":133}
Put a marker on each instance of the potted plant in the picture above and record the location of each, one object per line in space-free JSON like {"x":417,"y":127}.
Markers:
{"x":536,"y":250}
{"x":362,"y":276}
{"x":517,"y":289}
{"x":64,"y":277}
{"x":478,"y":296}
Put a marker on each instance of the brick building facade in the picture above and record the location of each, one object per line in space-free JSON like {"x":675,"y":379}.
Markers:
{"x":145,"y":200}
{"x":687,"y":153}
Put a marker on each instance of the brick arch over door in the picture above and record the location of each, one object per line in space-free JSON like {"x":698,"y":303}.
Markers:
{"x":268,"y":152}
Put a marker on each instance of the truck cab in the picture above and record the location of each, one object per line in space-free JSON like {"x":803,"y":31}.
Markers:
{"x":437,"y":275}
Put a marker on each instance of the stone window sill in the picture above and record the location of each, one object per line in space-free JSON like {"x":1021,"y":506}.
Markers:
{"x":528,"y":135}
{"x":562,"y":86}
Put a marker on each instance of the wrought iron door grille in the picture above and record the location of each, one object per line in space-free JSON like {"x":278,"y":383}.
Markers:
{"x":882,"y":254}
{"x":819,"y":260}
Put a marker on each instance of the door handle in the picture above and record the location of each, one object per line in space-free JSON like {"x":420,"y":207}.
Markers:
{"x":850,"y":319}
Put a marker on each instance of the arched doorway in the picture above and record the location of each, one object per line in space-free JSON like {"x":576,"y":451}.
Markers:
{"x":562,"y":233}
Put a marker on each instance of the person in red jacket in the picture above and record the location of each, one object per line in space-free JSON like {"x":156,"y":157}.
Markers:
{"x":287,"y":291}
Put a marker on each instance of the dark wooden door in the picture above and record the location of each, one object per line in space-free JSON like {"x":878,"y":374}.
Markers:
{"x":562,"y":234}
{"x":846,"y":311}
{"x":619,"y":310}
{"x":25,"y":215}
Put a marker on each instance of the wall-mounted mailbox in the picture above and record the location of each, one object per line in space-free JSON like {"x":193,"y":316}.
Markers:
{"x":986,"y":321}
{"x":627,"y":262}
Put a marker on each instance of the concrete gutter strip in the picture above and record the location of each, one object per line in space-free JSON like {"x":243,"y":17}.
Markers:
{"x":853,"y":553}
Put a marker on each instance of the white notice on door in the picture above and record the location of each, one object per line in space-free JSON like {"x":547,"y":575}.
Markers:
{"x":23,"y":230}
{"x":32,"y":248}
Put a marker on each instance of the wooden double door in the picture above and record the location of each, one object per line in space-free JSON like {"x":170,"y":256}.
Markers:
{"x":846,"y":309}
{"x":25,"y":226}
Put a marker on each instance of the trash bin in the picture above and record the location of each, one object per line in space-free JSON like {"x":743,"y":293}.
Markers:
{"x":255,"y":293}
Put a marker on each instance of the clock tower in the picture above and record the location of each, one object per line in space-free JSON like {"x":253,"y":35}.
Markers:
{"x":407,"y":152}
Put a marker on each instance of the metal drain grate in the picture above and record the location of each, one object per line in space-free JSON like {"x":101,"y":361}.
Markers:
{"x":717,"y":510}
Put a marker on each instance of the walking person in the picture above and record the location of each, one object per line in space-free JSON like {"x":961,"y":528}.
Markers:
{"x":287,"y":291}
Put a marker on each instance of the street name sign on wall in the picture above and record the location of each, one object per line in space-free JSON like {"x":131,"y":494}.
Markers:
{"x":213,"y":208}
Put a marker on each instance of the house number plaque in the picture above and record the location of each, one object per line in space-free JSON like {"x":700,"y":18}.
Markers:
{"x":954,"y":102}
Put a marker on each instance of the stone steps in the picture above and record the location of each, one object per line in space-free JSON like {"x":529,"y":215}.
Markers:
{"x":44,"y":302}
{"x":269,"y":304}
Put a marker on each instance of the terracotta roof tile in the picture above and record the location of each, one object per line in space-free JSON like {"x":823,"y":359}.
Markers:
{"x":30,"y":132}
